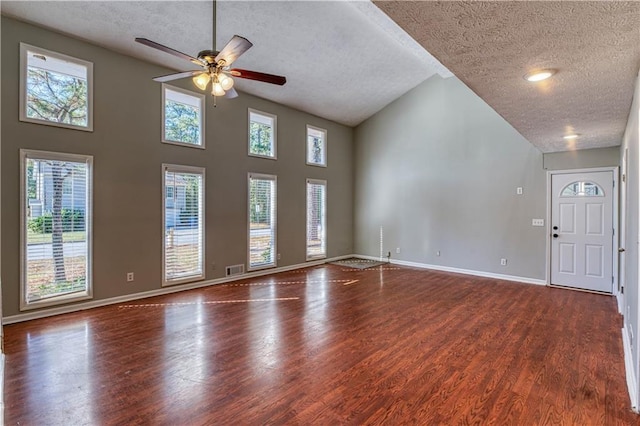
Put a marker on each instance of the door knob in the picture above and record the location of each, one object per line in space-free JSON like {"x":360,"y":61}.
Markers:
{"x":555,"y":235}
{"x":555,"y":228}
{"x":620,"y":250}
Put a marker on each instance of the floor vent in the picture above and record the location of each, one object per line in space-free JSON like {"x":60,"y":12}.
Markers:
{"x":235,"y":269}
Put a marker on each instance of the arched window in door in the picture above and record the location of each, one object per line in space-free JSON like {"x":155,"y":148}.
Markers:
{"x":582,"y":189}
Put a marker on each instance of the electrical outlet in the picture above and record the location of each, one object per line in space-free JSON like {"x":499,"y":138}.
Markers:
{"x":278,"y":256}
{"x":398,"y":250}
{"x":503,"y":262}
{"x":438,"y":253}
{"x":519,"y":190}
{"x":129,"y":276}
{"x":213,"y":265}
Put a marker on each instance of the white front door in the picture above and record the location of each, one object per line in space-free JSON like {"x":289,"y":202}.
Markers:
{"x":582,"y":230}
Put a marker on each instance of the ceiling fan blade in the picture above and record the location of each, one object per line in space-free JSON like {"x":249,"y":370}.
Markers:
{"x":258,"y":76}
{"x":176,"y":76}
{"x":168,"y":50}
{"x":236,"y":47}
{"x":231,"y":93}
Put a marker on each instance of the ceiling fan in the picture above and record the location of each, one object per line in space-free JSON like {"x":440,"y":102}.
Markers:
{"x":216,"y":66}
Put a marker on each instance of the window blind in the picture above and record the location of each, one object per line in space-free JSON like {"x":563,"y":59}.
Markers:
{"x":316,"y":219}
{"x":262,"y":221}
{"x":183,"y":223}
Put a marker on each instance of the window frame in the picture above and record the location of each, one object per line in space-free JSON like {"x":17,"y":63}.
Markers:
{"x":274,"y":133}
{"x":26,"y":154}
{"x":176,"y":168}
{"x":324,"y":219}
{"x":274,"y":203}
{"x":203,"y":103}
{"x":324,"y":146}
{"x":24,"y":48}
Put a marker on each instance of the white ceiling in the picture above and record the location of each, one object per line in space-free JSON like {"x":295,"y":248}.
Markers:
{"x":346,"y":60}
{"x":340,"y":58}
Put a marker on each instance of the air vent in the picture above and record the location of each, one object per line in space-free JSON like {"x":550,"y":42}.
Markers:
{"x":235,"y":269}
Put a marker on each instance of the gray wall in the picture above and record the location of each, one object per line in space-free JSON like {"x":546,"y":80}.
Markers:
{"x":128,"y":154}
{"x":438,"y":170}
{"x":631,"y":292}
{"x":583,"y":159}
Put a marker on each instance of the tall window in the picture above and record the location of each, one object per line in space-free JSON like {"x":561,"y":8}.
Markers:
{"x":262,"y":134}
{"x":55,"y":89}
{"x":183,"y":223}
{"x":262,"y":221}
{"x":56,"y":228}
{"x":182,"y":117}
{"x":316,"y":146}
{"x":316,"y":219}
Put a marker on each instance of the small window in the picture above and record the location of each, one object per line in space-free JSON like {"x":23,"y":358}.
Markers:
{"x":262,"y":221}
{"x":582,"y":189}
{"x":182,"y":117}
{"x":262,"y":134}
{"x":316,"y":146}
{"x":316,"y":219}
{"x":183,"y":224}
{"x":56,"y":230}
{"x":55,"y":89}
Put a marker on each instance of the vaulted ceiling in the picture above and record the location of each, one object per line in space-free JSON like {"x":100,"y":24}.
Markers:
{"x":346,"y":60}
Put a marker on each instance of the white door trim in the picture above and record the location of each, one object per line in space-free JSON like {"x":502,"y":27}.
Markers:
{"x":616,"y":240}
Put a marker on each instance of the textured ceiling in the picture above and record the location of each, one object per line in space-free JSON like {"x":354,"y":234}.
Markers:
{"x":491,"y":45}
{"x":336,"y":56}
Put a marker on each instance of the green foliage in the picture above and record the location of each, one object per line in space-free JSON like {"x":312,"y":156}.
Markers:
{"x":260,"y":139}
{"x":189,"y":214}
{"x":72,"y":220}
{"x":181,"y":123}
{"x":56,"y":97}
{"x":58,"y":288}
{"x":316,"y":150}
{"x":266,"y":255}
{"x":31,"y":181}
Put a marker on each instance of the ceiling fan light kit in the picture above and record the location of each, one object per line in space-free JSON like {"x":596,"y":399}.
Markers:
{"x":216,"y":66}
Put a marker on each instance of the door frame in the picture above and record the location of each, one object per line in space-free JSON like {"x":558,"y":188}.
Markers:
{"x":615,"y":171}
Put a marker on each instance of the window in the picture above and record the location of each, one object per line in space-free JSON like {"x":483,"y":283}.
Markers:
{"x":262,"y":221}
{"x":316,"y":219}
{"x":183,"y":223}
{"x":182,"y":117}
{"x":55,"y":228}
{"x":316,"y":146}
{"x":582,"y":189}
{"x":55,"y":89}
{"x":262,"y":134}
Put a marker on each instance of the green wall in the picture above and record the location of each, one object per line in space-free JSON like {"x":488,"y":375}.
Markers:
{"x":125,"y":143}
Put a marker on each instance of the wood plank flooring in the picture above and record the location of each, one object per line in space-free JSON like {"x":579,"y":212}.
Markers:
{"x":327,"y":345}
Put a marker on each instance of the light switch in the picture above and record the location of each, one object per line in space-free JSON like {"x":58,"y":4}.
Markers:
{"x":519,"y":190}
{"x":537,"y":222}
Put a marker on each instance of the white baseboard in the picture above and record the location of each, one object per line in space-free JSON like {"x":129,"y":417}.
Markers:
{"x":632,"y":381}
{"x":158,"y":292}
{"x":483,"y":274}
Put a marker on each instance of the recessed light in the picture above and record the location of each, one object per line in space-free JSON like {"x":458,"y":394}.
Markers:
{"x":539,"y":75}
{"x":571,"y":136}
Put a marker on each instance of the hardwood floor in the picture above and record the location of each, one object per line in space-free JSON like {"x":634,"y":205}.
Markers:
{"x":327,"y":345}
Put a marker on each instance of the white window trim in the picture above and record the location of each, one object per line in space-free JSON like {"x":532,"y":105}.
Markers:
{"x":24,"y":48}
{"x":202,"y":116}
{"x":274,"y":178}
{"x":67,"y":298}
{"x":275,"y":134}
{"x":324,"y":145}
{"x":324,"y":219}
{"x":175,"y":168}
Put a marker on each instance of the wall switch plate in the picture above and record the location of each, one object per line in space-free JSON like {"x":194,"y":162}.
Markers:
{"x":129,"y":276}
{"x":503,"y":262}
{"x":537,"y":222}
{"x":519,"y":190}
{"x":398,"y":250}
